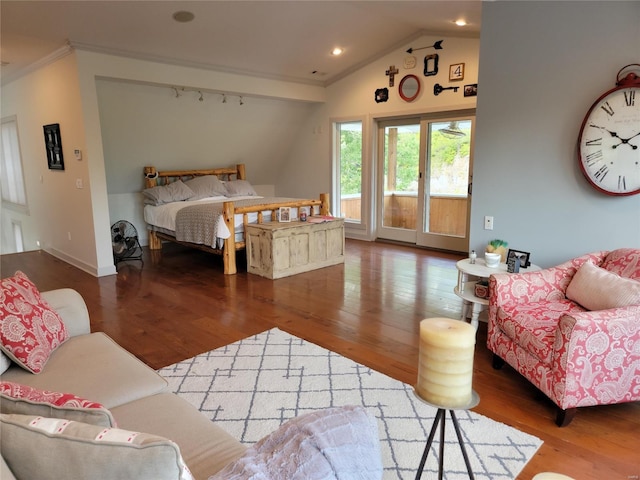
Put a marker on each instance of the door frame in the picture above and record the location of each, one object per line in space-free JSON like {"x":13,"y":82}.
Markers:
{"x":435,"y":241}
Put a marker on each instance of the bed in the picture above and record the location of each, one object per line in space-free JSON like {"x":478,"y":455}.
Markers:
{"x":209,"y":217}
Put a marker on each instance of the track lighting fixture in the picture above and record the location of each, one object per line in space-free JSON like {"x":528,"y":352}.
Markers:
{"x":179,"y":92}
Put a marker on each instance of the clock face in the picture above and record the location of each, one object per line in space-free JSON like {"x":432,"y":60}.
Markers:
{"x":609,"y":142}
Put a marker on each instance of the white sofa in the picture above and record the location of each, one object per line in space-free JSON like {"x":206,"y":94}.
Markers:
{"x":93,"y":366}
{"x":81,"y":415}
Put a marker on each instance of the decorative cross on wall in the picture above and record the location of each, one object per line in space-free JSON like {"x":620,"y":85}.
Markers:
{"x":392,"y":73}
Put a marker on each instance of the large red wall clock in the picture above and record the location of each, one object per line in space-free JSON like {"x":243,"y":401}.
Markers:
{"x":609,"y":140}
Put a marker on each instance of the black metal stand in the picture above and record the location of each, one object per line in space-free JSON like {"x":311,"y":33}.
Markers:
{"x":440,"y":418}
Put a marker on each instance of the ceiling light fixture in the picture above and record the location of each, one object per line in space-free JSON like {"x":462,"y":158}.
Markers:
{"x":337,"y":51}
{"x":437,"y":46}
{"x":460,"y":23}
{"x":452,"y":131}
{"x":183,"y":16}
{"x":241,"y":101}
{"x":224,"y":98}
{"x":201,"y":96}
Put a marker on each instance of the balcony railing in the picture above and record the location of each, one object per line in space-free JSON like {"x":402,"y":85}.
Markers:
{"x":447,"y":213}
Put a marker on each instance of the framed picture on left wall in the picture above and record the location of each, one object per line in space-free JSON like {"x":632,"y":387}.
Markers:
{"x":53,"y":144}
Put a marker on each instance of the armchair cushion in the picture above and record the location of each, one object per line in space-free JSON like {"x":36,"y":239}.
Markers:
{"x":598,"y":289}
{"x":533,"y":325}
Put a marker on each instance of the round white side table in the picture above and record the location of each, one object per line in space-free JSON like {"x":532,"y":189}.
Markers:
{"x":468,"y":275}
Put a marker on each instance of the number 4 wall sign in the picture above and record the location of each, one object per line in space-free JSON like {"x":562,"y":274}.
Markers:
{"x":456,"y":72}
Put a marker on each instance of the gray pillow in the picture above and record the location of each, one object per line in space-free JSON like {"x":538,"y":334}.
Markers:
{"x":236,"y":188}
{"x":50,"y":449}
{"x":174,"y":192}
{"x":206,"y":186}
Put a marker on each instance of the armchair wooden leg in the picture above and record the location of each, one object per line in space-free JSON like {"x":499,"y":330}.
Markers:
{"x":497,"y":362}
{"x":564,"y":417}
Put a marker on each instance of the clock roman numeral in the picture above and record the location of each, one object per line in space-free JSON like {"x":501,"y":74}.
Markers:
{"x":593,"y":158}
{"x":630,"y":98}
{"x":594,"y":142}
{"x":601,"y":173}
{"x":607,"y":108}
{"x":622,"y":183}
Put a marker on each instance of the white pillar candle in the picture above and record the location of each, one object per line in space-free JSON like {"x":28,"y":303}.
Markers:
{"x":445,"y":370}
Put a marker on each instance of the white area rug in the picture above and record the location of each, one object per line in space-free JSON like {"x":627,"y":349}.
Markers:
{"x":251,"y":387}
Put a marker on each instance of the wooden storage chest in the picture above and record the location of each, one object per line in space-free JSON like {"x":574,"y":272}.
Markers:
{"x":276,"y":250}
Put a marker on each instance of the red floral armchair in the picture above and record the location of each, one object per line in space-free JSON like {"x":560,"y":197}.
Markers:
{"x":576,"y":356}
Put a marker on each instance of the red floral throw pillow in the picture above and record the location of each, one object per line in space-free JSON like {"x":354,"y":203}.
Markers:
{"x":27,"y":400}
{"x":30,"y":330}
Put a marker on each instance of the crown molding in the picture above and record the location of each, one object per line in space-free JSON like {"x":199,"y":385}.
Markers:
{"x":38,"y":64}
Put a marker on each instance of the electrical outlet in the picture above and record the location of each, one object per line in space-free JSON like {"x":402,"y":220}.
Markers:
{"x":79,"y":183}
{"x":488,"y":223}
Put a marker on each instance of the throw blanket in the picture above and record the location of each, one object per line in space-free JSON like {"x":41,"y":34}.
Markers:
{"x":339,"y":443}
{"x":201,"y":223}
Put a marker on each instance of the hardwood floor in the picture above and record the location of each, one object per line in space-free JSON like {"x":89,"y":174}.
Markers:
{"x":179,"y":304}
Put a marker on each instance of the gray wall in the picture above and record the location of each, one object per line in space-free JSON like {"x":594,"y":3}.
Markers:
{"x":542,"y":65}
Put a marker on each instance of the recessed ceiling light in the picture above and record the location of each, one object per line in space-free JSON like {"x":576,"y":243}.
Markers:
{"x":183,"y":16}
{"x":460,"y":22}
{"x":337,"y":51}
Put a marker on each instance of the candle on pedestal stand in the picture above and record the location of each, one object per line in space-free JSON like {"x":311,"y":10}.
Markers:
{"x":445,"y":374}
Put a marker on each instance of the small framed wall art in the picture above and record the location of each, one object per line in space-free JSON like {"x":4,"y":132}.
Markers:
{"x":53,"y":144}
{"x":471,"y":90}
{"x":456,"y":72}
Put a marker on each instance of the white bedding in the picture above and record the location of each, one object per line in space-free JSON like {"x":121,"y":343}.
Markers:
{"x":164,"y":216}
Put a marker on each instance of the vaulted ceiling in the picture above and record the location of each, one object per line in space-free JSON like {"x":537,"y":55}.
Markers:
{"x":288,"y":40}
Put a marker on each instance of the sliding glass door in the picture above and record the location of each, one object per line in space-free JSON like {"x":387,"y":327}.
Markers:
{"x":424,"y":177}
{"x":446,"y":201}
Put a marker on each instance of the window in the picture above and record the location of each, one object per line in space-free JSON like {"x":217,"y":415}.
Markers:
{"x":348,"y":162}
{"x":11,"y":174}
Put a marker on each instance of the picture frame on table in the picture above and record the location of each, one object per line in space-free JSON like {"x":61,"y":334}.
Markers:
{"x":522,"y":257}
{"x":284,"y":214}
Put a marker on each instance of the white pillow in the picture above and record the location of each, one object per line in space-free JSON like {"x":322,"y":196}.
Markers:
{"x":237,"y":188}
{"x":206,"y":186}
{"x":174,"y":192}
{"x":598,"y":289}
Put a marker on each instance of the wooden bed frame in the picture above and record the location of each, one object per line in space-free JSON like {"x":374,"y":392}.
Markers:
{"x":154,"y":178}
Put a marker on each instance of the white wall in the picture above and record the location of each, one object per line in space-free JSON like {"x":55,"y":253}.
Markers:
{"x":60,"y":214}
{"x":543,"y":64}
{"x":309,"y":167}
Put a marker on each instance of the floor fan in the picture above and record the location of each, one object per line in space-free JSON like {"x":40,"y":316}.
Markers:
{"x":124,"y":241}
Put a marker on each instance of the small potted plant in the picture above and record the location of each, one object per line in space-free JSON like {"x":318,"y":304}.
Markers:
{"x":498,"y":246}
